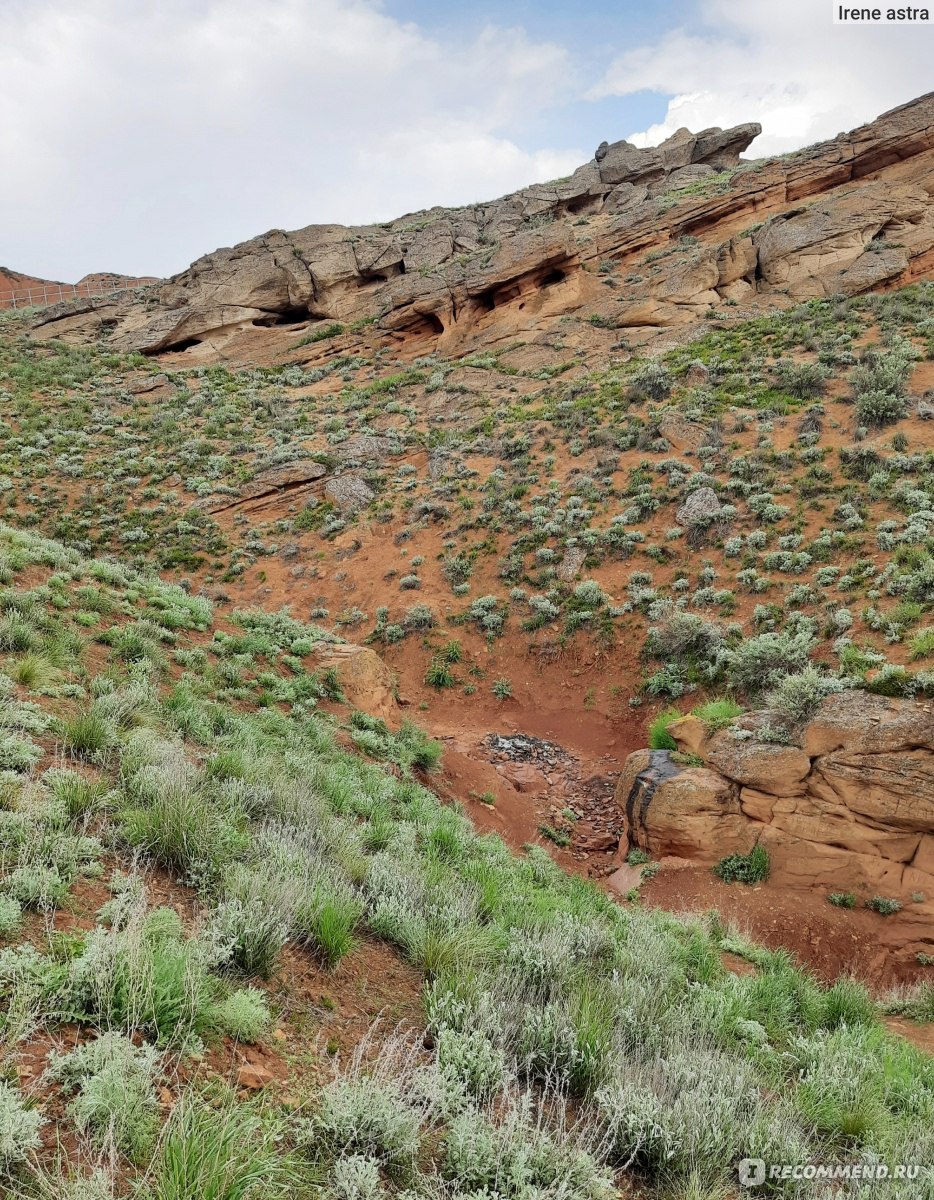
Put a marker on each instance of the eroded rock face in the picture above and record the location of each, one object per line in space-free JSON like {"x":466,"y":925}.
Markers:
{"x":821,"y":227}
{"x":366,"y":681}
{"x":688,"y":813}
{"x":349,"y":493}
{"x":822,"y":250}
{"x":290,"y":476}
{"x":864,"y":724}
{"x":851,"y":809}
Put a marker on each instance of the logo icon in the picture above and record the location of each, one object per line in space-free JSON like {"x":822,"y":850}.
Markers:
{"x":751,"y":1172}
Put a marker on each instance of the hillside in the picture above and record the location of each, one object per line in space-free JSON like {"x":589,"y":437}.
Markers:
{"x":15,"y":281}
{"x":347,"y":577}
{"x":27,"y":291}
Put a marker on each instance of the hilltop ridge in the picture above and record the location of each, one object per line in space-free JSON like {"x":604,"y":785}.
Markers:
{"x":748,"y":234}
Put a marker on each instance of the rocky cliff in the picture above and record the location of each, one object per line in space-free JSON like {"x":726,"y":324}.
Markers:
{"x":698,"y":228}
{"x":851,"y":807}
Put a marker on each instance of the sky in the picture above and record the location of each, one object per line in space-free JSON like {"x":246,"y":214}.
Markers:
{"x":137,"y":136}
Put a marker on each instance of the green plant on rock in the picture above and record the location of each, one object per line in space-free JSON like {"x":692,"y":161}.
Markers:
{"x":659,"y":737}
{"x":753,"y":867}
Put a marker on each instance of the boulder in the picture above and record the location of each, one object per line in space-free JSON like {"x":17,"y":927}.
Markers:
{"x":621,"y":162}
{"x":721,"y":148}
{"x":254,"y":1077}
{"x":853,"y":810}
{"x":776,"y":770}
{"x":625,"y":196}
{"x":691,"y":282}
{"x":524,"y":777}
{"x":349,"y":493}
{"x":697,"y":375}
{"x":297,"y":475}
{"x":700,"y":508}
{"x":812,"y":251}
{"x":857,"y":722}
{"x":365,"y":679}
{"x":687,"y":812}
{"x":149,"y":383}
{"x":571,"y":563}
{"x":682,"y":433}
{"x":690,"y":733}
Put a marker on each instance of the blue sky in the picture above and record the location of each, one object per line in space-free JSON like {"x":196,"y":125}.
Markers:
{"x":593,"y":31}
{"x":140,"y":136}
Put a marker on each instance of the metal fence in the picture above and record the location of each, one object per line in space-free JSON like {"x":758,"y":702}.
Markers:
{"x":45,"y":294}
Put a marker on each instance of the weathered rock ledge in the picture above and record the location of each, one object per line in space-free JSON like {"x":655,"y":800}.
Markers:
{"x":445,"y":276}
{"x":850,"y":809}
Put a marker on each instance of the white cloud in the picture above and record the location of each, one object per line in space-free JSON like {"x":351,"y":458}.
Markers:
{"x":137,"y":136}
{"x":784,"y":65}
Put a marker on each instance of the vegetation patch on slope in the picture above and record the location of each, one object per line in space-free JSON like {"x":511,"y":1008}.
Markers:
{"x":570,"y":1043}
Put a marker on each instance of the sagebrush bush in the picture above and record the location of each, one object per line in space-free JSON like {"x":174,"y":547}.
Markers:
{"x":19,"y":1127}
{"x":368,"y":1116}
{"x":761,"y":662}
{"x":11,"y":916}
{"x":798,"y":695}
{"x":244,"y":1015}
{"x":115,"y":1097}
{"x":251,"y":932}
{"x":879,"y":408}
{"x":514,"y":1154}
{"x":472,"y":1060}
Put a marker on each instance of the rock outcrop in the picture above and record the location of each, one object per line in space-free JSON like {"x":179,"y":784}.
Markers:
{"x":851,"y":808}
{"x":682,"y":159}
{"x":365,"y":679}
{"x":846,"y":215}
{"x":295,"y":476}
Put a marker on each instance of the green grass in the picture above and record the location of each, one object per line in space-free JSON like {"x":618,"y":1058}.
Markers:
{"x":330,"y":929}
{"x":922,"y":644}
{"x":748,"y":868}
{"x":88,"y":735}
{"x":224,"y":1153}
{"x":659,"y":737}
{"x":717,"y":714}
